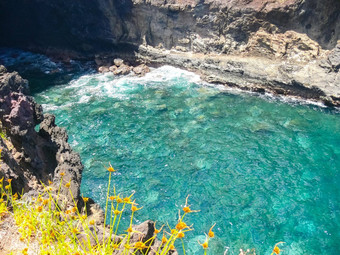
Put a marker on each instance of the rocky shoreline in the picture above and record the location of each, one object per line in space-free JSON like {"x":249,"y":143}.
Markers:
{"x":283,"y":47}
{"x":34,"y":159}
{"x":317,"y":80}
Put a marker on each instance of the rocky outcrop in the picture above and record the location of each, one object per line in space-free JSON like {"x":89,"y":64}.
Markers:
{"x":293,"y":42}
{"x":30,"y":157}
{"x":316,"y":80}
{"x":33,"y":158}
{"x":120,"y":68}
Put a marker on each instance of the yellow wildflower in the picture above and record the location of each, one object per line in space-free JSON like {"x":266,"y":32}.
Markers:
{"x":186,"y":208}
{"x":181,"y":225}
{"x":85,"y":199}
{"x":9,"y":181}
{"x":39,"y":208}
{"x":67,"y":185}
{"x":134,"y":207}
{"x":276,"y":249}
{"x":164,"y":239}
{"x":211,"y":234}
{"x":205,"y":245}
{"x":91,"y":222}
{"x":180,"y":235}
{"x":15,"y":196}
{"x":110,"y":169}
{"x":157,"y":230}
{"x":140,"y":245}
{"x":129,"y":230}
{"x":62,"y":174}
{"x":116,"y":212}
{"x":112,"y":198}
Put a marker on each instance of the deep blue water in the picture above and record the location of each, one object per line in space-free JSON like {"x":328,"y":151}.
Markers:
{"x":264,"y":169}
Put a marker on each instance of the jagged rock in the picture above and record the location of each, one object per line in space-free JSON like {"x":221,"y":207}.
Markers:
{"x":29,"y":156}
{"x":334,"y":58}
{"x":122,"y":69}
{"x":141,"y":69}
{"x":288,"y":45}
{"x":113,"y":68}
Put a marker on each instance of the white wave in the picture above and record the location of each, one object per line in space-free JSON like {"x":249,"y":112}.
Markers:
{"x":109,"y":85}
{"x":49,"y":107}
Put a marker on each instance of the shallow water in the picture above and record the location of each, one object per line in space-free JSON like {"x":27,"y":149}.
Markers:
{"x":264,"y":170}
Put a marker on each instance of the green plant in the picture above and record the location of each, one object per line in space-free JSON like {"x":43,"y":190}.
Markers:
{"x":58,"y":230}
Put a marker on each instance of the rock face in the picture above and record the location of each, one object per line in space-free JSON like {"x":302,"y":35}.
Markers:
{"x":296,"y":33}
{"x":28,"y":156}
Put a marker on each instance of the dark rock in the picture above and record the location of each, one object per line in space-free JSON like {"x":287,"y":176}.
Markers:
{"x":30,"y":157}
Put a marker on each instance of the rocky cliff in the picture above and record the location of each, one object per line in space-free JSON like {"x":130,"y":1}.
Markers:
{"x":31,"y":157}
{"x":283,"y":46}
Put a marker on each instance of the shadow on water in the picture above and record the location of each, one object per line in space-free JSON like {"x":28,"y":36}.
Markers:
{"x":41,"y":72}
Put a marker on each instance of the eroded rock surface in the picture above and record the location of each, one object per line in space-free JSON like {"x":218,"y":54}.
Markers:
{"x":300,"y":34}
{"x":30,"y":157}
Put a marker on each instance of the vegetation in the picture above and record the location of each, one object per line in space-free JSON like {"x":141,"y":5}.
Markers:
{"x":59,"y":229}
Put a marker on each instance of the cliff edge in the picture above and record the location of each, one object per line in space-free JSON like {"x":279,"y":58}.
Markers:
{"x":288,"y":47}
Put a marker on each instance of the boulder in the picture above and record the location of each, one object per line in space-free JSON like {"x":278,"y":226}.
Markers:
{"x":103,"y":69}
{"x":141,"y":69}
{"x":118,"y":62}
{"x":113,"y":68}
{"x":123,"y":70}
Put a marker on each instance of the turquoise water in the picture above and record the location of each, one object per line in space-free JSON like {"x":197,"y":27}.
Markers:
{"x":264,"y":170}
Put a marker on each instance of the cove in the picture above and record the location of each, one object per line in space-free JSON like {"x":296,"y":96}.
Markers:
{"x":264,"y":170}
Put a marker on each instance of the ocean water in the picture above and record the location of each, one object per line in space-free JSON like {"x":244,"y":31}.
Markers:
{"x":262,"y":168}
